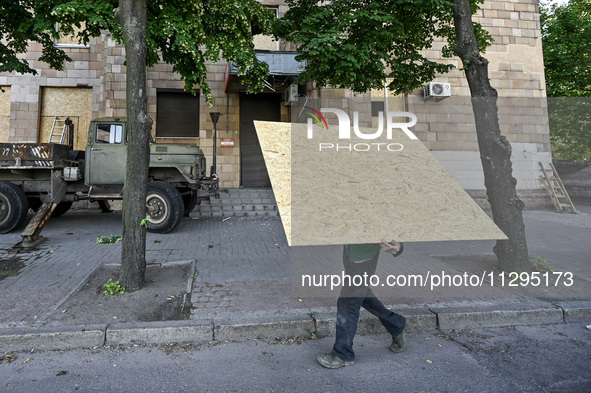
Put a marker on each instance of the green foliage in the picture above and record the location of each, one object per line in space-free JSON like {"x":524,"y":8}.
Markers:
{"x":184,"y":33}
{"x":144,"y":222}
{"x":357,"y":44}
{"x":570,"y":127}
{"x":566,"y":37}
{"x":113,"y":288}
{"x":540,"y":264}
{"x":187,"y":34}
{"x":108,"y":239}
{"x":22,"y":21}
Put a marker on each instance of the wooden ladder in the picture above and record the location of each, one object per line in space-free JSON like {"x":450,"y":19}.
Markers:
{"x":58,"y":129}
{"x":555,"y":188}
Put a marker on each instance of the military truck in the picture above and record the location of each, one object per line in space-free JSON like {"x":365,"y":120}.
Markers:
{"x":49,"y":177}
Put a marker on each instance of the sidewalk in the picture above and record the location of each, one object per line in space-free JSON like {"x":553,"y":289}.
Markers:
{"x":247,"y":281}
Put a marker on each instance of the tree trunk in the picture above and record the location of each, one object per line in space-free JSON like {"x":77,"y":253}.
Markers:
{"x":132,"y":16}
{"x":495,"y":150}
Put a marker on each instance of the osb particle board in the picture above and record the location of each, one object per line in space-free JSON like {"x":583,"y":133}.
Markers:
{"x":4,"y":129}
{"x":275,"y":140}
{"x":347,"y":197}
{"x":5,"y":101}
{"x":4,"y":113}
{"x":75,"y":103}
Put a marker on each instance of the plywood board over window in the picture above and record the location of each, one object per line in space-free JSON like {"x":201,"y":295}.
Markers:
{"x":266,"y":42}
{"x":4,"y":113}
{"x":359,"y":195}
{"x":73,"y":102}
{"x":70,"y":40}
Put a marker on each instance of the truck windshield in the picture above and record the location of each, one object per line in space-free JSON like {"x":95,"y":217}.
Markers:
{"x":109,"y":133}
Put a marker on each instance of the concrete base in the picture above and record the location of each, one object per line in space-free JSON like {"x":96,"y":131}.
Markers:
{"x":533,"y":199}
{"x":64,"y":337}
{"x":485,"y":314}
{"x":263,"y":328}
{"x":198,"y":331}
{"x":576,"y":311}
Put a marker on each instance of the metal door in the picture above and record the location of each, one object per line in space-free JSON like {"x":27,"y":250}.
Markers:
{"x":253,"y":172}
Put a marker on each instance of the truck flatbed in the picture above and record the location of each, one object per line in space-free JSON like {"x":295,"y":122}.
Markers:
{"x":34,"y":155}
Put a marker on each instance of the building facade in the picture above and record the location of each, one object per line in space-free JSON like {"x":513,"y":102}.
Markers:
{"x":93,"y":85}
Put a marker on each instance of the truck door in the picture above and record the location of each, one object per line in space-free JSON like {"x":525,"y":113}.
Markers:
{"x":106,"y":155}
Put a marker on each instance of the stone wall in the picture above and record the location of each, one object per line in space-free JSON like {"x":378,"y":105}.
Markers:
{"x":446,"y":127}
{"x":25,"y":90}
{"x":516,"y":71}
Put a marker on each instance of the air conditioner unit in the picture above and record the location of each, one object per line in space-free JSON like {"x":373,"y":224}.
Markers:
{"x":437,"y":90}
{"x":291,"y":95}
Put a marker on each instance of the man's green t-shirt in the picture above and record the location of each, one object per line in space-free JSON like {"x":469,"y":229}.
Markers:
{"x":362,"y":252}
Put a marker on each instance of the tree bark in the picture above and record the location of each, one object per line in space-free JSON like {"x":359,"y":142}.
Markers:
{"x":132,"y":16}
{"x":495,"y":150}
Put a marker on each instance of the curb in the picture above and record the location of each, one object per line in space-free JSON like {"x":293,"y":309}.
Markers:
{"x":147,"y":333}
{"x":231,"y":329}
{"x":297,"y":323}
{"x":41,"y":338}
{"x":576,"y":310}
{"x":478,"y":315}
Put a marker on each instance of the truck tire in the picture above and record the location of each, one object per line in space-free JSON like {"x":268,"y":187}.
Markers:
{"x":165,"y":207}
{"x":13,"y":207}
{"x":60,"y":209}
{"x":189,"y":200}
{"x":34,"y":203}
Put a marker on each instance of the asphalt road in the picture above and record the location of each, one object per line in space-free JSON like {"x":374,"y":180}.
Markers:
{"x":550,"y":358}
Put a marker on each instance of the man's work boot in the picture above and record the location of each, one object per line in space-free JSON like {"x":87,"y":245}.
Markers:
{"x":330,"y":360}
{"x":398,"y":343}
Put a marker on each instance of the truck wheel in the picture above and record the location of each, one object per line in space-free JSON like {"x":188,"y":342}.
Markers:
{"x":13,"y":207}
{"x":165,"y":207}
{"x":61,"y":209}
{"x":189,"y":200}
{"x":34,"y":203}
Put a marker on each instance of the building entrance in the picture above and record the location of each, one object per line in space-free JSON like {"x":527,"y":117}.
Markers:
{"x":265,"y":107}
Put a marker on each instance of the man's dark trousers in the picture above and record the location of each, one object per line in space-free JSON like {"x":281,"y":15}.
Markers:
{"x":351,"y":299}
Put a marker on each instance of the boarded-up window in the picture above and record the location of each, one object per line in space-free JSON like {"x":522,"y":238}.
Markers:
{"x":177,"y":115}
{"x":72,"y":102}
{"x":4,"y":113}
{"x":70,"y":40}
{"x":266,"y":42}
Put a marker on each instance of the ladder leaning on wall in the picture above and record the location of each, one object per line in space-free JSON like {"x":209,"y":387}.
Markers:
{"x":58,"y":129}
{"x":555,"y":188}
